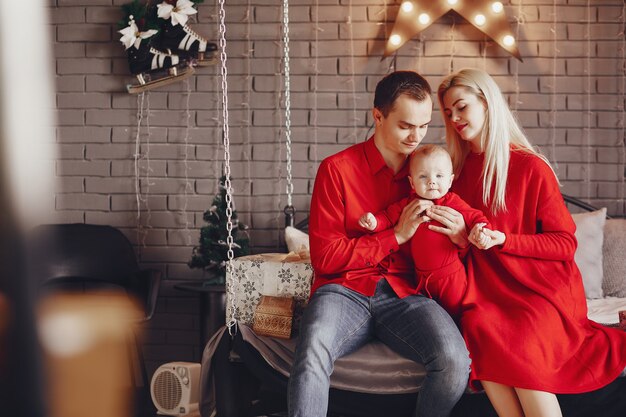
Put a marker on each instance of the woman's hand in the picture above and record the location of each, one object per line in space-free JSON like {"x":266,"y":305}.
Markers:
{"x":484,"y":238}
{"x":453,"y":224}
{"x":411,"y":217}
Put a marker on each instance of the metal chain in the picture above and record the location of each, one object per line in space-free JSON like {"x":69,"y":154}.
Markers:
{"x":231,"y":321}
{"x":287,"y":98}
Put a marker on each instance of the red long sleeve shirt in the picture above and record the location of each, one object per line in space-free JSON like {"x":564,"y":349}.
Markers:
{"x":348,"y":184}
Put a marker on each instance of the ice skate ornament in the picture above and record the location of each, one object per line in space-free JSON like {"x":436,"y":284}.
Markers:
{"x":179,"y":37}
{"x":152,"y":67}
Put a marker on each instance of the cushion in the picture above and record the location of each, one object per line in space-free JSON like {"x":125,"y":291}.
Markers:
{"x":614,"y":283}
{"x":606,"y":310}
{"x":588,"y":257}
{"x":297,"y":240}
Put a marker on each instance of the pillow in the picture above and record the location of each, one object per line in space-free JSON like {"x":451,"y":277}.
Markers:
{"x":297,"y":240}
{"x":614,"y":283}
{"x":588,"y":257}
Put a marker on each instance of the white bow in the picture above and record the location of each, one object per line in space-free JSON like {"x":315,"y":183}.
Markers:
{"x":132,"y":36}
{"x":179,"y":14}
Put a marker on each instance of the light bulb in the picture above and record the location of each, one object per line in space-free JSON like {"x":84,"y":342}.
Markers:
{"x":407,"y":6}
{"x":424,"y":18}
{"x":508,"y":40}
{"x":496,"y":6}
{"x":395,"y":40}
{"x":452,"y":2}
{"x":480,"y":19}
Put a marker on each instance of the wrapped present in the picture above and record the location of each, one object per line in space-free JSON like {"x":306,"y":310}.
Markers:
{"x":273,"y":316}
{"x":275,"y":274}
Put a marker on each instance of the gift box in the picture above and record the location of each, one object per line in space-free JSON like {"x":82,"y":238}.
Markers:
{"x":273,"y":316}
{"x":274,"y":274}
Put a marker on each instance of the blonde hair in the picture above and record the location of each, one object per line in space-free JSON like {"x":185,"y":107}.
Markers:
{"x":500,"y":132}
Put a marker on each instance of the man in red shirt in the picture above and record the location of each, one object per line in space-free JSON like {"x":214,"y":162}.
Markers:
{"x":364,"y":282}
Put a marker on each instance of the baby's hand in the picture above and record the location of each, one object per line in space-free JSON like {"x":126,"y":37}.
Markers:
{"x":478,"y":237}
{"x":483,"y":238}
{"x":368,"y":222}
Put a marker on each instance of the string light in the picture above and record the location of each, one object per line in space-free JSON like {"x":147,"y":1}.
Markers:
{"x":520,"y":18}
{"x":355,"y":118}
{"x":622,"y":129}
{"x":553,"y":110}
{"x":486,"y":15}
{"x":136,"y":156}
{"x":149,"y":183}
{"x":188,"y":187}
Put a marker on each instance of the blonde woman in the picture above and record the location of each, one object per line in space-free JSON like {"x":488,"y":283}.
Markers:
{"x":524,"y":318}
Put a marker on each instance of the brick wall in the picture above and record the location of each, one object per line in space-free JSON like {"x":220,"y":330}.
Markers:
{"x":570,"y":105}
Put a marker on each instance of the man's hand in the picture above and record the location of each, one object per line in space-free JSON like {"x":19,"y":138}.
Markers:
{"x":484,"y":239}
{"x":368,"y":222}
{"x":453,"y":224}
{"x":411,"y":217}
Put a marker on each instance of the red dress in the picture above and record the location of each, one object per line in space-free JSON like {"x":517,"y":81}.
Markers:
{"x":525,"y":314}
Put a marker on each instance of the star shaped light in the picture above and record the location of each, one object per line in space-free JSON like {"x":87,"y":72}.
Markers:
{"x":486,"y":15}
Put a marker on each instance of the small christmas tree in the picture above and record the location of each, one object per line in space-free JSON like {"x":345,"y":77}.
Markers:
{"x":212,"y":253}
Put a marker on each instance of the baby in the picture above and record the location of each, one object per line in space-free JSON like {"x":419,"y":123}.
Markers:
{"x":439,"y":271}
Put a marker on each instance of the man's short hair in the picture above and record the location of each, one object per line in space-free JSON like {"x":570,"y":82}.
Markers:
{"x":397,"y":83}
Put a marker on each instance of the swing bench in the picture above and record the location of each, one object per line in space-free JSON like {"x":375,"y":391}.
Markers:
{"x":246,"y":375}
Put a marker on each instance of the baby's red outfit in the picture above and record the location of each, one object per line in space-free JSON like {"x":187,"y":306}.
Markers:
{"x":440,"y":274}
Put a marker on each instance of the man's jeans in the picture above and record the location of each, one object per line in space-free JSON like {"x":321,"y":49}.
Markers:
{"x":338,"y":321}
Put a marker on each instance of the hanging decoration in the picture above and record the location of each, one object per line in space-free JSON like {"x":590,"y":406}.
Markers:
{"x":161,"y":47}
{"x":486,"y":15}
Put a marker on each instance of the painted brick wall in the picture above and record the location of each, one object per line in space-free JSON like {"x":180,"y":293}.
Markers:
{"x":568,"y":92}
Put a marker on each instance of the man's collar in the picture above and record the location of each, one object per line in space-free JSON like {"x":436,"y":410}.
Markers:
{"x":373,"y":156}
{"x":376,"y":161}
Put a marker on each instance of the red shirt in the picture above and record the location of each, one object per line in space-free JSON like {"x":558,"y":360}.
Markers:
{"x":352,"y":182}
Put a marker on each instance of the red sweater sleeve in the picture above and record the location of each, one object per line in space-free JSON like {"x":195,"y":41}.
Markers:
{"x":554,"y":235}
{"x":332,"y":250}
{"x":390,"y":216}
{"x":471,"y":216}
